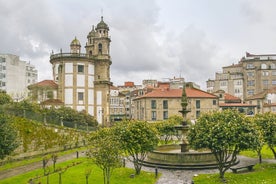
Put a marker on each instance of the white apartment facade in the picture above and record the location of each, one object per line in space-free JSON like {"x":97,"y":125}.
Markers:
{"x":16,"y":75}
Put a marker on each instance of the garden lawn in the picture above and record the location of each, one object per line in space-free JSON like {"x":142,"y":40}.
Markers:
{"x":76,"y":174}
{"x":262,"y":174}
{"x":266,"y":153}
{"x":27,"y":161}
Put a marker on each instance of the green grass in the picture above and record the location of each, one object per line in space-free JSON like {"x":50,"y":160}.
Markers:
{"x":11,"y":165}
{"x":262,"y":174}
{"x":76,"y":174}
{"x":266,"y":153}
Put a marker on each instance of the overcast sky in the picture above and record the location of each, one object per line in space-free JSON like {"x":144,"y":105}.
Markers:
{"x":151,"y":39}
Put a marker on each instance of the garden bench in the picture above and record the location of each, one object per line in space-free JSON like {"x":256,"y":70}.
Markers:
{"x":249,"y":167}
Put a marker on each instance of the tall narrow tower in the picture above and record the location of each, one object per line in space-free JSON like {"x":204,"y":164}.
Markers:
{"x":97,"y":48}
{"x":83,"y":78}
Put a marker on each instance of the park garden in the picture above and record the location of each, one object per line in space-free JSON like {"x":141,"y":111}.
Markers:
{"x":226,"y":134}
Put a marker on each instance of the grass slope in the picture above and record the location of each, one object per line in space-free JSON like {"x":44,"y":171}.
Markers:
{"x":262,"y":174}
{"x":76,"y":174}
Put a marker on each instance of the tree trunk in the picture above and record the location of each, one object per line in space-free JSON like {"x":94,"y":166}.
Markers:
{"x":137,"y":167}
{"x":273,"y":151}
{"x":260,"y":156}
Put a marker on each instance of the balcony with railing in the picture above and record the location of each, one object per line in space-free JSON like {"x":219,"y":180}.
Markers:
{"x":78,"y":55}
{"x":68,"y":55}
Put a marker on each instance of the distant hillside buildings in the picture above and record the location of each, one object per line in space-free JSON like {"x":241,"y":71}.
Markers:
{"x":252,"y":75}
{"x":16,"y":75}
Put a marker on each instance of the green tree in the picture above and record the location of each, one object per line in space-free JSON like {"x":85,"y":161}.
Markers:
{"x":4,"y":98}
{"x":166,"y":129}
{"x":225,"y":133}
{"x":137,"y":138}
{"x":105,"y":152}
{"x":267,"y":123}
{"x":8,"y":136}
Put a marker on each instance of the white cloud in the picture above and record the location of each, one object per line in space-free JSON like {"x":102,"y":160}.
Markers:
{"x":150,"y":38}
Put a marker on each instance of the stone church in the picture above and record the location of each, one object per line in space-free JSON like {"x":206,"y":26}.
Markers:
{"x":83,"y":79}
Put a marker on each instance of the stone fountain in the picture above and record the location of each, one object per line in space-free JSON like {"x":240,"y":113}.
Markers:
{"x":179,"y":156}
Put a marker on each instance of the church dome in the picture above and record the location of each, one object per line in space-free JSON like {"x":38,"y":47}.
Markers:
{"x":102,"y":25}
{"x":75,"y":42}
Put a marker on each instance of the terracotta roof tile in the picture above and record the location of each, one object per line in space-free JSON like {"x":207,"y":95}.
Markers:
{"x":236,"y":105}
{"x":230,"y":98}
{"x":52,"y":102}
{"x":44,"y":83}
{"x":177,"y":93}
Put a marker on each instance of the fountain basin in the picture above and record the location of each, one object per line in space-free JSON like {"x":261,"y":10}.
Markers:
{"x":171,"y":157}
{"x":172,"y":154}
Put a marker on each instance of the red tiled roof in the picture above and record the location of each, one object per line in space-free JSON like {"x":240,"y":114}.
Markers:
{"x":45,"y":83}
{"x":52,"y":102}
{"x":177,"y":93}
{"x":229,"y":97}
{"x":270,"y":105}
{"x":235,"y":105}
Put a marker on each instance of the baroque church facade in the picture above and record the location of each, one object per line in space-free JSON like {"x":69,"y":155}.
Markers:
{"x":83,"y":79}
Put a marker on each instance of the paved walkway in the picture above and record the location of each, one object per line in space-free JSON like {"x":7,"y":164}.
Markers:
{"x":168,"y":176}
{"x":186,"y":176}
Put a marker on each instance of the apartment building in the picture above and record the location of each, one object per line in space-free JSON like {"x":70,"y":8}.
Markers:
{"x":117,"y":105}
{"x":16,"y":75}
{"x":252,"y":75}
{"x":161,"y":103}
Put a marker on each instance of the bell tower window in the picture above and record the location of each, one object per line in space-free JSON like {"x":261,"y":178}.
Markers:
{"x":100,"y":46}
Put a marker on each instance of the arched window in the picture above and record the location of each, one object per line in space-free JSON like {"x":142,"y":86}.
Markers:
{"x":100,"y":46}
{"x":90,"y":53}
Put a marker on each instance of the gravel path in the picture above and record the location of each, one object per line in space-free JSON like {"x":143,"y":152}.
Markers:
{"x":168,"y":176}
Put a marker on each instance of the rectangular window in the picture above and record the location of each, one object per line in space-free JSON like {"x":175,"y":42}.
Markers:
{"x":223,"y":83}
{"x":251,"y":83}
{"x":165,"y":104}
{"x":153,"y":104}
{"x":214,"y":102}
{"x":265,"y":82}
{"x":153,"y":115}
{"x":80,"y":68}
{"x":250,"y":66}
{"x":198,"y":104}
{"x":273,"y":73}
{"x":265,"y":73}
{"x":80,"y":96}
{"x":250,"y":74}
{"x":273,"y":82}
{"x":250,"y":92}
{"x":165,"y":115}
{"x":197,"y":114}
{"x":50,"y":94}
